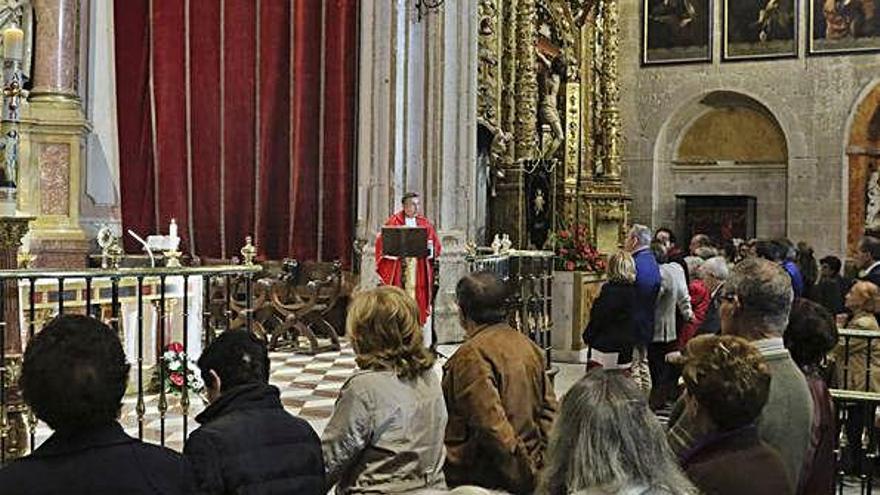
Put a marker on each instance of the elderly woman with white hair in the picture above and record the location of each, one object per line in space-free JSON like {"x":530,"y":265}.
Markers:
{"x":606,"y":441}
{"x":713,"y":273}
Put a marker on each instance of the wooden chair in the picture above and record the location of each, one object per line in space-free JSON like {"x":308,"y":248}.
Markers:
{"x":303,"y":296}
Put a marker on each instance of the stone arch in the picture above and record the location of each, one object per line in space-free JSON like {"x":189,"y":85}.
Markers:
{"x":862,"y":158}
{"x":688,"y":162}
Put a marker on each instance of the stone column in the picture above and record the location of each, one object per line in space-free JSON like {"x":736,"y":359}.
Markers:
{"x":417,"y":130}
{"x":52,"y":131}
{"x":55,"y":53}
{"x":455,"y":168}
{"x":377,"y":102}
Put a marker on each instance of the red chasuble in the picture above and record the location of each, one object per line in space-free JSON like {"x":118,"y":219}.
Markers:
{"x":389,"y":267}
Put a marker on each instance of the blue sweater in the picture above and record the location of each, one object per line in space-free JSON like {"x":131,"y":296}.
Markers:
{"x":797,"y":281}
{"x":647,"y":287}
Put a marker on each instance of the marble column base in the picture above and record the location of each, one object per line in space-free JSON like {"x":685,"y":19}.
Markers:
{"x":452,"y":267}
{"x":70,"y":254}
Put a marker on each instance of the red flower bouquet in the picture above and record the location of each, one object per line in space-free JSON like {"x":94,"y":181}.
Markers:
{"x":574,"y":252}
{"x":178,"y":371}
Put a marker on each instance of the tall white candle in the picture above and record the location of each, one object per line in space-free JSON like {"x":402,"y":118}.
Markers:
{"x":13,"y":43}
{"x":172,"y":229}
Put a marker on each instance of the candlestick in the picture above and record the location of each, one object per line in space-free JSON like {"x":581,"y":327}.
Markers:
{"x":13,"y":43}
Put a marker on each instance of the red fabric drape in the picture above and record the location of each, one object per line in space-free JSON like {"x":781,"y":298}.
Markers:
{"x":250,"y":137}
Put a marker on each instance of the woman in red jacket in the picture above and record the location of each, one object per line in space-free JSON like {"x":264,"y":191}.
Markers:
{"x":700,"y":297}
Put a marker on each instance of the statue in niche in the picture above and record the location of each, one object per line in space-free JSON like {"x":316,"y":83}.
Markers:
{"x":10,"y":158}
{"x":548,"y":108}
{"x":872,"y":203}
{"x":539,"y":202}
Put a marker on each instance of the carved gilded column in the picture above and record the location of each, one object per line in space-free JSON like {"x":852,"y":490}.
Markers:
{"x":526,"y":81}
{"x":52,"y":131}
{"x":610,"y":118}
{"x":13,"y":425}
{"x":55,"y":54}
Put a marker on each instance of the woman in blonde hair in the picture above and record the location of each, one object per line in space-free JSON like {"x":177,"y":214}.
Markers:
{"x":611,"y":333}
{"x":386,"y":432}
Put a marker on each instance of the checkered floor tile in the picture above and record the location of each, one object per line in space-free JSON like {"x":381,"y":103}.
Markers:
{"x":309,"y":386}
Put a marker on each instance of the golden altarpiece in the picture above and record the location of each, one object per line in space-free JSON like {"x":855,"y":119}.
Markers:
{"x":549,"y":137}
{"x":549,"y":126}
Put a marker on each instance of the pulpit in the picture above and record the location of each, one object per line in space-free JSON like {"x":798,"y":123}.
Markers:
{"x":408,"y":244}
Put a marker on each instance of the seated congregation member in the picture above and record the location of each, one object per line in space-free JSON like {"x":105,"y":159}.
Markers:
{"x":606,"y":441}
{"x":610,"y":332}
{"x":73,"y":378}
{"x":727,"y":383}
{"x":501,"y":403}
{"x":810,"y":336}
{"x":386,"y":432}
{"x":755,"y":305}
{"x":247,"y":442}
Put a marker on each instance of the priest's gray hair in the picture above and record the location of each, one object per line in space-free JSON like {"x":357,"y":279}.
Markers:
{"x":642,"y":234}
{"x":605,"y":437}
{"x":764,"y":291}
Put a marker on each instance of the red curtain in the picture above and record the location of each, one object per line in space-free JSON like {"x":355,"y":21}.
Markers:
{"x":236,"y":117}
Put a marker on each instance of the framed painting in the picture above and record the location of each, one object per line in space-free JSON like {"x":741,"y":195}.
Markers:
{"x":676,"y":31}
{"x":760,"y":29}
{"x":838,"y":27}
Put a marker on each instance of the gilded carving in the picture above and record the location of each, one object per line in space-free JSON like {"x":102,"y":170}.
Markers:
{"x":548,"y":83}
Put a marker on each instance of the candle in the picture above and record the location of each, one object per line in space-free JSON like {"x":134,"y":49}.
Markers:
{"x":13,"y":43}
{"x":172,"y":229}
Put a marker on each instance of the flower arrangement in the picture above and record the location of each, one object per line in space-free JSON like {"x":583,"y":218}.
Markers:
{"x":178,"y":369}
{"x":574,"y":252}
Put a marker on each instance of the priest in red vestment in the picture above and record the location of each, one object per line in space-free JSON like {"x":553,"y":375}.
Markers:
{"x":389,"y":267}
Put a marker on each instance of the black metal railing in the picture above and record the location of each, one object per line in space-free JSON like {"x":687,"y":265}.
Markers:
{"x":855,"y":406}
{"x":29,"y":298}
{"x":529,"y":278}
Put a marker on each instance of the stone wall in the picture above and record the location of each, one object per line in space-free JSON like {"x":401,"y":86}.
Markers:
{"x":812,"y":98}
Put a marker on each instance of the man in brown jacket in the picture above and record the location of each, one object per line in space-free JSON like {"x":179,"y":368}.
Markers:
{"x":500,"y":401}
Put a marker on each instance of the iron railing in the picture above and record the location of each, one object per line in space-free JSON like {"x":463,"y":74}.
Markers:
{"x":855,"y":404}
{"x":29,"y":298}
{"x":529,"y":278}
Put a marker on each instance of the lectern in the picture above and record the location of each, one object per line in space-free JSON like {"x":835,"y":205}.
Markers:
{"x":408,"y":244}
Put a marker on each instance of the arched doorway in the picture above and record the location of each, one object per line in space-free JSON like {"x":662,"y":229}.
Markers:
{"x":863,"y":157}
{"x":725,"y":171}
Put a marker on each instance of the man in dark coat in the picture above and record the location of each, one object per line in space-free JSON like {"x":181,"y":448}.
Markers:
{"x":647,"y":287}
{"x":247,"y":442}
{"x":868,"y":259}
{"x":73,"y":377}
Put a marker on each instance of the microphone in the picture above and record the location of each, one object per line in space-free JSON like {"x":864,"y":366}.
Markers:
{"x":146,"y":247}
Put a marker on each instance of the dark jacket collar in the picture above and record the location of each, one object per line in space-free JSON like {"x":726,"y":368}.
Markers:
{"x":67,"y":443}
{"x":725,"y":441}
{"x":250,"y":396}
